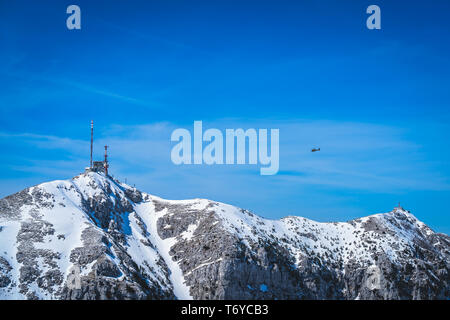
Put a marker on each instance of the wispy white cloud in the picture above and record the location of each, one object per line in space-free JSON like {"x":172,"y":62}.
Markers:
{"x":146,"y":36}
{"x":354,"y":156}
{"x":45,"y":141}
{"x":102,"y":92}
{"x":78,"y":85}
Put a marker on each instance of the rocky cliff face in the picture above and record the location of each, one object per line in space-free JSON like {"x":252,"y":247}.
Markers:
{"x":94,"y":238}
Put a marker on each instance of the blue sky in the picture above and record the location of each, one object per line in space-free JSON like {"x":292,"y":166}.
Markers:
{"x":376,"y":102}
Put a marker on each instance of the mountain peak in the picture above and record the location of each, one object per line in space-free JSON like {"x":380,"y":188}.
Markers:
{"x":92,"y":237}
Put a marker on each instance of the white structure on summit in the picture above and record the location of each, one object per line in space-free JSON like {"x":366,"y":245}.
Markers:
{"x":97,"y":166}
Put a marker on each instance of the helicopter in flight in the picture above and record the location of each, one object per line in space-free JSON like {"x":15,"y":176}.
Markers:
{"x":315,"y":149}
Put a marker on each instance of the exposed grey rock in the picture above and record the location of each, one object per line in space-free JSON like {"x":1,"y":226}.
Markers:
{"x":221,"y":254}
{"x":10,"y":205}
{"x":5,"y":269}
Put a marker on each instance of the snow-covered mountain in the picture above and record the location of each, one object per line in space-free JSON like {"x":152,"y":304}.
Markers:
{"x":93,"y":237}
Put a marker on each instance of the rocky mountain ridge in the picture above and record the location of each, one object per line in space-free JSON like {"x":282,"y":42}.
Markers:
{"x":92,"y":237}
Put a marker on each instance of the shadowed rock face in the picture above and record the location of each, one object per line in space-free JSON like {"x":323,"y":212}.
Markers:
{"x":94,"y":238}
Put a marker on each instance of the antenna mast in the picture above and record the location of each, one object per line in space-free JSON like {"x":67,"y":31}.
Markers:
{"x":106,"y":160}
{"x":92,"y":138}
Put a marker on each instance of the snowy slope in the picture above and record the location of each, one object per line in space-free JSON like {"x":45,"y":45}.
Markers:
{"x":63,"y":205}
{"x":92,"y":237}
